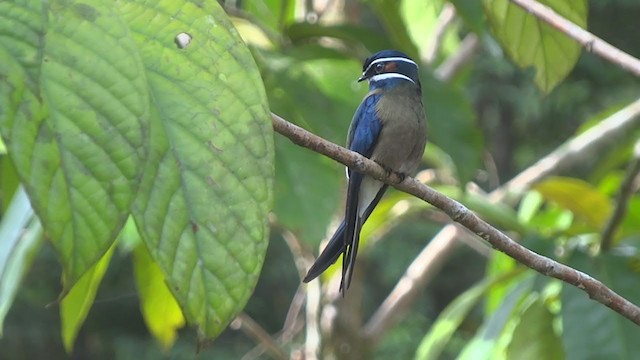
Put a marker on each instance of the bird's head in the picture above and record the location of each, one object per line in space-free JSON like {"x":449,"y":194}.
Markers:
{"x":389,"y":64}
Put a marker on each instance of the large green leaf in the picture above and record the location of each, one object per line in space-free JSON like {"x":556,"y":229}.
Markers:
{"x":74,"y":120}
{"x":592,"y":330}
{"x":206,"y":193}
{"x":532,"y":42}
{"x":308,"y":186}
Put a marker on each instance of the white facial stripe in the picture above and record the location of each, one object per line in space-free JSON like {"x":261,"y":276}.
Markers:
{"x":389,"y":76}
{"x":391,"y":59}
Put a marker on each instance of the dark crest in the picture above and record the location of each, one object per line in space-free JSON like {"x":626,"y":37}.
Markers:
{"x":390,"y":62}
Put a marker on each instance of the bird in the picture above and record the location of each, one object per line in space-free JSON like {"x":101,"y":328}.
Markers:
{"x":388,"y":127}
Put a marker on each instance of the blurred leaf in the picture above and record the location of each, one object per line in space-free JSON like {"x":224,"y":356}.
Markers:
{"x":534,"y":337}
{"x":159,"y":308}
{"x":452,"y":126}
{"x":9,"y":182}
{"x":529,"y":206}
{"x":434,"y":342}
{"x":307,"y":191}
{"x":76,"y":304}
{"x":272,"y":13}
{"x":353,"y":36}
{"x":20,"y":239}
{"x":590,"y":329}
{"x":483,"y":344}
{"x":326,"y":89}
{"x":252,"y":34}
{"x":472,"y":13}
{"x":631,"y":223}
{"x":532,"y":42}
{"x":389,"y":14}
{"x":498,"y":214}
{"x":74,"y":121}
{"x":420,"y":19}
{"x":207,"y":188}
{"x":583,"y":199}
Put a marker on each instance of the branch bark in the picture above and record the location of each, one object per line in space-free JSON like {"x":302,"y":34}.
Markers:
{"x":460,"y":214}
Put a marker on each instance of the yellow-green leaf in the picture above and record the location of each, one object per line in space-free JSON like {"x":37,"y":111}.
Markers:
{"x":75,"y":306}
{"x":159,"y":308}
{"x":583,"y":199}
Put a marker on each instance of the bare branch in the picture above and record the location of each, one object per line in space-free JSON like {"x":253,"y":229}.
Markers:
{"x":590,"y":42}
{"x":583,"y":146}
{"x":608,"y":131}
{"x":624,"y":195}
{"x":460,"y":214}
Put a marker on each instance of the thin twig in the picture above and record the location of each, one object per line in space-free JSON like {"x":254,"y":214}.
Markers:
{"x":247,"y":325}
{"x":590,"y":42}
{"x":455,"y":62}
{"x":460,"y":214}
{"x":446,"y":17}
{"x":624,"y":195}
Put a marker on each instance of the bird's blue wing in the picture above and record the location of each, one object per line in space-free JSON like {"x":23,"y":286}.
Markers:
{"x":365,"y":127}
{"x":363,"y":136}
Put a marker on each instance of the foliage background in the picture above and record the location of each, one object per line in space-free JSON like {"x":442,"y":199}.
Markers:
{"x":490,"y":121}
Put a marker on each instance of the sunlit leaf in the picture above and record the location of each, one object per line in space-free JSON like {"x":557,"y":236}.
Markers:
{"x":592,"y":330}
{"x":159,"y":308}
{"x":583,"y":199}
{"x":207,"y":189}
{"x":532,"y":42}
{"x":75,"y":306}
{"x":499,"y":263}
{"x":74,"y":120}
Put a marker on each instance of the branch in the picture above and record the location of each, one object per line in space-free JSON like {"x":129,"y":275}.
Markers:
{"x":583,"y":146}
{"x":460,"y":214}
{"x":626,"y":190}
{"x":590,"y":42}
{"x":470,"y":44}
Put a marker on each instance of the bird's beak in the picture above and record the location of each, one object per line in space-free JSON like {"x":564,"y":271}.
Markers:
{"x":362,"y":78}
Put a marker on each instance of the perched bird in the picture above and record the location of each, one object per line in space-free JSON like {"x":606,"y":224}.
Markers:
{"x":388,"y":127}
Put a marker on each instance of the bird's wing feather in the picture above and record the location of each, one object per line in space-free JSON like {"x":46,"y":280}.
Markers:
{"x":363,"y":136}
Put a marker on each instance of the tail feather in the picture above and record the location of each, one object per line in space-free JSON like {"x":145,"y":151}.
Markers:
{"x":339,"y":244}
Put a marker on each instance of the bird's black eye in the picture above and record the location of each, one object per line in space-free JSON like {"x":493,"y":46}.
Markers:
{"x":379,"y":67}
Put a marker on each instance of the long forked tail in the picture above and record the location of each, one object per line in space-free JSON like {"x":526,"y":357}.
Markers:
{"x":337,"y":246}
